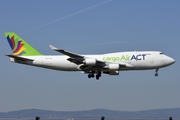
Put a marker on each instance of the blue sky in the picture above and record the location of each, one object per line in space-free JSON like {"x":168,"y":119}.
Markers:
{"x":90,"y":27}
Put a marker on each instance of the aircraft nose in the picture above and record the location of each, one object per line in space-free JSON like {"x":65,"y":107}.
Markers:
{"x":170,"y":61}
{"x":173,"y":61}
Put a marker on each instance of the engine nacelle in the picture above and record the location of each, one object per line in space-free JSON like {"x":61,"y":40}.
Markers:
{"x":114,"y":67}
{"x":90,"y":62}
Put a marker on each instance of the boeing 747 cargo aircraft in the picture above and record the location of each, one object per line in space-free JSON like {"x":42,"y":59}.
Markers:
{"x":93,"y":65}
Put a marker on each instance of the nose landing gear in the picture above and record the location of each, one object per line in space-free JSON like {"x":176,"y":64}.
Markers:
{"x":156,"y":74}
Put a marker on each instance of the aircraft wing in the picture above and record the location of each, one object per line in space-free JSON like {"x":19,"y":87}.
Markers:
{"x":79,"y":59}
{"x":19,"y":58}
{"x":70,"y":54}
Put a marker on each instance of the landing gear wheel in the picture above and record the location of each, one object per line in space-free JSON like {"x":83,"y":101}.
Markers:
{"x":97,"y":77}
{"x":92,"y":75}
{"x":156,"y":74}
{"x":89,"y":76}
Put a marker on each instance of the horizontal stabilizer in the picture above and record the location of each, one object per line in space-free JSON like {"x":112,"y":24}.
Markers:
{"x":19,"y":58}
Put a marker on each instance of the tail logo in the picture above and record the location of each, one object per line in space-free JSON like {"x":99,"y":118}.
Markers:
{"x":17,"y":47}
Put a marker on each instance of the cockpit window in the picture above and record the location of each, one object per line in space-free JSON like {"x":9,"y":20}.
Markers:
{"x":161,"y":53}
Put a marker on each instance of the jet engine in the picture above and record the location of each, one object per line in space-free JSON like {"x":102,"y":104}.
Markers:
{"x":90,"y":62}
{"x":114,"y":67}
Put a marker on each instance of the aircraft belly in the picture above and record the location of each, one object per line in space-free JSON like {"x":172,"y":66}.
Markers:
{"x":62,"y":65}
{"x":147,"y":64}
{"x":67,"y":66}
{"x":142,"y":65}
{"x":55,"y":64}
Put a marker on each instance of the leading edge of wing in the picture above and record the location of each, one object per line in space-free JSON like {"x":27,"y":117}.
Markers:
{"x":70,"y":54}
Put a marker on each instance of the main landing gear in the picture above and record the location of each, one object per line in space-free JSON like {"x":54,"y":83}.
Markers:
{"x":91,"y":75}
{"x":98,"y":75}
{"x":156,"y":74}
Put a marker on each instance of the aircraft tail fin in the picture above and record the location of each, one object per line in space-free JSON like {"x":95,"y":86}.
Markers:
{"x":19,"y":46}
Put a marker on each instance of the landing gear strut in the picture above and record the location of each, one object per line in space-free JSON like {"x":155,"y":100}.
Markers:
{"x":156,"y":74}
{"x":98,"y":75}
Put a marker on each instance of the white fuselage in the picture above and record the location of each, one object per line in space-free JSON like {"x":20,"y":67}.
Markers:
{"x":137,"y":60}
